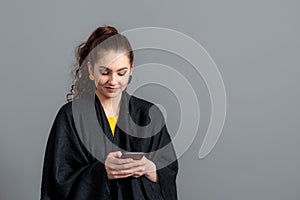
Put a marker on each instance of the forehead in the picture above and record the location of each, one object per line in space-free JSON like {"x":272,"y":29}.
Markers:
{"x":112,"y":58}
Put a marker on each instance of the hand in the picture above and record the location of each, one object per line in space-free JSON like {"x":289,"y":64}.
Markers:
{"x":145,"y":168}
{"x":117,"y":167}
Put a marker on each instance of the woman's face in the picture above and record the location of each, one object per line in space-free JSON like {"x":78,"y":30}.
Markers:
{"x":111,"y":73}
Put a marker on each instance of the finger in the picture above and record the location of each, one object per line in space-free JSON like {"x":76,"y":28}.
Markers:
{"x":121,"y":161}
{"x":137,"y":174}
{"x":130,"y":165}
{"x":119,"y":164}
{"x":118,"y":176}
{"x":124,"y":164}
{"x":115,"y":154}
{"x":112,"y":161}
{"x":110,"y":158}
{"x":123,"y":172}
{"x":117,"y":173}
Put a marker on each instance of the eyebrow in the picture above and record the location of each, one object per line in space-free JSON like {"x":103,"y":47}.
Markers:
{"x":106,"y":68}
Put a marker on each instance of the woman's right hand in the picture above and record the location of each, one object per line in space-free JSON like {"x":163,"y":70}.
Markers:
{"x":117,"y":167}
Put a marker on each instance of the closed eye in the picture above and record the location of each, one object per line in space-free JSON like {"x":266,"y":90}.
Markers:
{"x":122,"y":73}
{"x":104,"y":72}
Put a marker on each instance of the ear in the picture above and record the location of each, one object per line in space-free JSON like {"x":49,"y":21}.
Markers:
{"x":131,"y":69}
{"x":90,"y":68}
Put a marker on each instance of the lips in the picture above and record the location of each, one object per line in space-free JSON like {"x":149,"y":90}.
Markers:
{"x":111,"y":89}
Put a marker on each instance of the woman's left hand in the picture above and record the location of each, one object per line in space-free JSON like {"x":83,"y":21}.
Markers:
{"x":145,"y":167}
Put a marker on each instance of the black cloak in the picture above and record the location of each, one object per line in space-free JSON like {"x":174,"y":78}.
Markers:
{"x":73,"y":165}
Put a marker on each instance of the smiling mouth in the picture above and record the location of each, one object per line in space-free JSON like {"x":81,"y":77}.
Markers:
{"x":110,"y":89}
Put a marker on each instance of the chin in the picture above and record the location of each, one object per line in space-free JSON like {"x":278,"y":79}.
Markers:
{"x":112,"y":94}
{"x":107,"y":94}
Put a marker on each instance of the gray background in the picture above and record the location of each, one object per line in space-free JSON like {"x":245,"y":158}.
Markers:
{"x":254,"y":43}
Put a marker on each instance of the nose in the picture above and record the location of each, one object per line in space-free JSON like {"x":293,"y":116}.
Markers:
{"x":113,"y":79}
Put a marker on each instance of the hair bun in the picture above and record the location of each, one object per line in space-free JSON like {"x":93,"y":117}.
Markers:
{"x":107,"y":30}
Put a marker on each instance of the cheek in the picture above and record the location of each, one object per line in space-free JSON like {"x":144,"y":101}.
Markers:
{"x":101,"y":80}
{"x":124,"y":81}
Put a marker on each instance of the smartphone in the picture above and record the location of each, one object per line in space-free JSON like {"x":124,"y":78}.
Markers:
{"x":133,"y":155}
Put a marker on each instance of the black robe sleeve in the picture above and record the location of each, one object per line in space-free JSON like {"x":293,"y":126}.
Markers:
{"x":167,"y":166}
{"x":167,"y":175}
{"x":69,"y":171}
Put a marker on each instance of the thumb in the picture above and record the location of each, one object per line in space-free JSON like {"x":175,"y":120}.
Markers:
{"x":115,"y":154}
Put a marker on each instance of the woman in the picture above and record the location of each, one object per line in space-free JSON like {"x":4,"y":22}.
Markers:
{"x":83,"y":158}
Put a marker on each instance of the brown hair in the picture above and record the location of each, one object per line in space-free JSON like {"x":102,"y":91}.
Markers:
{"x":89,"y":51}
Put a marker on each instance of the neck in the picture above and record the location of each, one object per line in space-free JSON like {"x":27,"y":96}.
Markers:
{"x":111,"y":106}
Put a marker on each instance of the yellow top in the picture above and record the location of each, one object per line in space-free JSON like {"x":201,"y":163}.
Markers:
{"x":112,"y":123}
